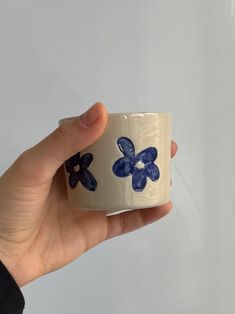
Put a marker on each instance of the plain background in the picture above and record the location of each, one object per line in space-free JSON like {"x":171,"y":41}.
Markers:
{"x":56,"y":59}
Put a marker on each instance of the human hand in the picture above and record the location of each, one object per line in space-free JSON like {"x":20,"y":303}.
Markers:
{"x":39,"y":231}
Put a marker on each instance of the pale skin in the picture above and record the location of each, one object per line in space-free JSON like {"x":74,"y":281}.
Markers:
{"x":39,"y":231}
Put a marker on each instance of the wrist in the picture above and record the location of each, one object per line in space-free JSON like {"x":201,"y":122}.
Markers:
{"x":12,"y":268}
{"x":11,"y":297}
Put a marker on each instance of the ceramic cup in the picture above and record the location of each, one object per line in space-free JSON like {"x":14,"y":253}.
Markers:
{"x":127,"y":168}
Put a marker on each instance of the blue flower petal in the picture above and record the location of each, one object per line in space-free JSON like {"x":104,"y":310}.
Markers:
{"x":85,"y":160}
{"x":152,"y":172}
{"x":147,"y":155}
{"x":75,"y":158}
{"x":88,"y":180}
{"x":126,"y":146}
{"x":122,"y":167}
{"x":69,"y":166}
{"x":73,"y":179}
{"x":138,"y":179}
{"x":72,"y":162}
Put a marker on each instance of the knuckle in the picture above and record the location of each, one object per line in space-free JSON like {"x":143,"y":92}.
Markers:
{"x":27,"y":167}
{"x":62,"y":131}
{"x":23,"y":165}
{"x":69,"y":134}
{"x":122,"y":224}
{"x":142,"y":218}
{"x":23,"y":160}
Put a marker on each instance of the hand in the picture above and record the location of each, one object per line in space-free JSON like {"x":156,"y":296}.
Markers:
{"x":39,"y":231}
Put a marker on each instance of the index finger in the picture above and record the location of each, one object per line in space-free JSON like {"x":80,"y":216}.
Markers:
{"x":174,"y":148}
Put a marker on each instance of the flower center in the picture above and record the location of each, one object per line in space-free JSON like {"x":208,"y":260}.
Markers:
{"x":139,"y":165}
{"x":77,"y":168}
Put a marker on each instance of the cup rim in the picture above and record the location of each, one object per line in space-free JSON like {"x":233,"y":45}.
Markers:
{"x":123,"y":113}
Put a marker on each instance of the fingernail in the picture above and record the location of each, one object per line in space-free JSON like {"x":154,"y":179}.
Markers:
{"x":90,"y":116}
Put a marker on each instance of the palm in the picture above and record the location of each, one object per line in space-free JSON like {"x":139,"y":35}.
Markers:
{"x":64,"y":233}
{"x":51,"y":234}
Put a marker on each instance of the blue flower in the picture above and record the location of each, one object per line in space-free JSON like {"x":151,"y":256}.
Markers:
{"x":77,"y":166}
{"x":140,"y":166}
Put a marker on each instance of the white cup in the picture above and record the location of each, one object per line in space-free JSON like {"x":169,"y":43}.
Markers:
{"x":127,"y":168}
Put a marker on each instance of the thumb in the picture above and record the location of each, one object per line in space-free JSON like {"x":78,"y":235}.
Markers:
{"x":38,"y":164}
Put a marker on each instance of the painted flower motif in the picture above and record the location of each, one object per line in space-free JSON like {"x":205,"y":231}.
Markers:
{"x":140,"y":166}
{"x":77,"y":166}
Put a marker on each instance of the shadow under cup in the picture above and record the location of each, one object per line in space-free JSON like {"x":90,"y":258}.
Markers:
{"x":127,"y":168}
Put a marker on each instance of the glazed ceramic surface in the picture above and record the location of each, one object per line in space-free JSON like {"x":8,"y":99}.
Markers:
{"x":128,"y":167}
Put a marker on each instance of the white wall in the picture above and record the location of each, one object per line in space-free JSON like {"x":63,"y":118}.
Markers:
{"x":59,"y":57}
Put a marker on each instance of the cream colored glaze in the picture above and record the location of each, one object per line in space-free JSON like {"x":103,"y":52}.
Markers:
{"x":115,"y":193}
